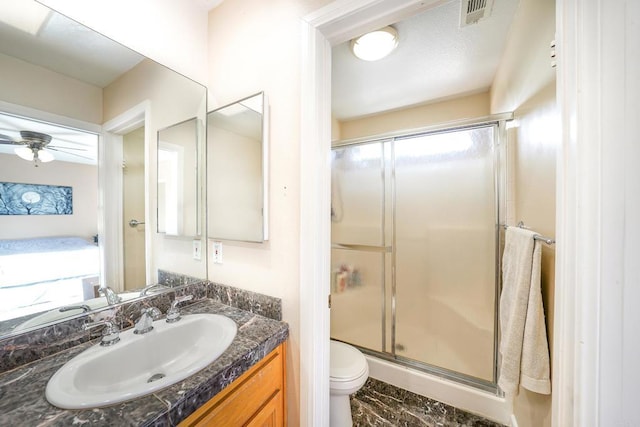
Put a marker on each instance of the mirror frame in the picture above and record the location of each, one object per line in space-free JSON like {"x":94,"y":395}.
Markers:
{"x":264,"y":175}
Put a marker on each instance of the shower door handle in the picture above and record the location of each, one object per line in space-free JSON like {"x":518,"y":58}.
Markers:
{"x":363,"y":248}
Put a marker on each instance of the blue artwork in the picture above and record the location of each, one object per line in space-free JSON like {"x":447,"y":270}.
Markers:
{"x":34,"y":199}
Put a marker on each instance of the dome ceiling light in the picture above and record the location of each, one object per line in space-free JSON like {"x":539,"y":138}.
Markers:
{"x":376,"y":44}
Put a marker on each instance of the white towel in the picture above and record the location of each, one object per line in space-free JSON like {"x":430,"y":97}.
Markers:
{"x":523,"y":346}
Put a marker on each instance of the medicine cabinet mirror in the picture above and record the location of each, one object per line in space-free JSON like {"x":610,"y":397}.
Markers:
{"x":237,"y":152}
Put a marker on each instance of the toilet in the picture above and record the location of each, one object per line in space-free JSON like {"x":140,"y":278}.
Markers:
{"x":348,"y":373}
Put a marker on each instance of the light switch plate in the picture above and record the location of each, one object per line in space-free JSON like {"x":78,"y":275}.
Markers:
{"x":217,"y":252}
{"x":197,"y":250}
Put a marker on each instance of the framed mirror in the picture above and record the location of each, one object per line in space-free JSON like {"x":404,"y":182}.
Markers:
{"x":237,"y":170}
{"x":178,"y":179}
{"x":102,"y":104}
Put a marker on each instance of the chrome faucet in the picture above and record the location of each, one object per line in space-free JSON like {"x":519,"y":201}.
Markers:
{"x":145,"y":323}
{"x":173,"y":314}
{"x":109,"y":334}
{"x":149,"y":288}
{"x":110,"y":294}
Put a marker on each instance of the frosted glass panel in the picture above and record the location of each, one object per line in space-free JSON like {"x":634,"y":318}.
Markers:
{"x":445,"y":250}
{"x":357,"y":285}
{"x":357,"y":195}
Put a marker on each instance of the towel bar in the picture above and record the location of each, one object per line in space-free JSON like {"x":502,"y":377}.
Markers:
{"x":547,"y":240}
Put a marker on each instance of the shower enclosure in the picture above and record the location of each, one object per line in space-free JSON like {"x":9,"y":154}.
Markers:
{"x":415,"y":250}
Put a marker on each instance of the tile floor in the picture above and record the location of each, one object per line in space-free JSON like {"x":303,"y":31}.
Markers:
{"x":382,"y":405}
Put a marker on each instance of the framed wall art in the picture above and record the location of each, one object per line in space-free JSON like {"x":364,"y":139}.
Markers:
{"x":35,"y":199}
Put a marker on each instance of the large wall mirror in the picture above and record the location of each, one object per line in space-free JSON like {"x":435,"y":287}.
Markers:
{"x":79,"y":120}
{"x":237,"y":171}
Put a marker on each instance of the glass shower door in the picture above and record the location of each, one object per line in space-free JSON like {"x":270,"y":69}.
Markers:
{"x":358,"y":254}
{"x":445,"y":250}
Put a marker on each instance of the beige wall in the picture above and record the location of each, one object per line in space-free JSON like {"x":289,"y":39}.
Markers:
{"x":525,"y":65}
{"x":525,"y":84}
{"x":32,"y":86}
{"x":466,"y":107}
{"x":254,"y":46}
{"x":82,"y":178}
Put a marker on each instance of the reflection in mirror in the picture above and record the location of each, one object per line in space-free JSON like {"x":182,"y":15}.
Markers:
{"x":49,"y":254}
{"x":237,"y":171}
{"x":178,"y":179}
{"x":63,"y":80}
{"x":134,"y":230}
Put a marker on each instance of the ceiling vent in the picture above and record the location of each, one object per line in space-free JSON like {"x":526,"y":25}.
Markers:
{"x":472,"y":11}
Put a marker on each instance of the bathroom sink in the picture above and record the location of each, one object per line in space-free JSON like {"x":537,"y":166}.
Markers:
{"x":55,"y":315}
{"x":140,"y":364}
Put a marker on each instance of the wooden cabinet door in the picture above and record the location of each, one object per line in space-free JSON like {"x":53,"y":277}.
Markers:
{"x":257,"y":398}
{"x":270,"y":415}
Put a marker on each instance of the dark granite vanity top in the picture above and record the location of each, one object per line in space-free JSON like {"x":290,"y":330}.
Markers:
{"x":22,"y":390}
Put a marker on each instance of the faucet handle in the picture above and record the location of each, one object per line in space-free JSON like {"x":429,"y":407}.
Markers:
{"x":173,"y":315}
{"x":109,"y":334}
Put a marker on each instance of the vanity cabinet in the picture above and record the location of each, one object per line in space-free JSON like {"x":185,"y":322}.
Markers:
{"x":256,"y":399}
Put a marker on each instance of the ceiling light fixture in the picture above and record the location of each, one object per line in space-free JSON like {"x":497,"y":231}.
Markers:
{"x":31,"y":146}
{"x":376,"y":44}
{"x":34,"y":154}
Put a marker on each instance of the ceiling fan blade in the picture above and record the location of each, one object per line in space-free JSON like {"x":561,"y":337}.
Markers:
{"x":54,"y":132}
{"x":5,"y":139}
{"x":66,"y":152}
{"x":59,"y":148}
{"x":67,"y":141}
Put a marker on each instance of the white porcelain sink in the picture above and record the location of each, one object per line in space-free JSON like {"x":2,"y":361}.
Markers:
{"x":55,"y":315}
{"x":140,"y":364}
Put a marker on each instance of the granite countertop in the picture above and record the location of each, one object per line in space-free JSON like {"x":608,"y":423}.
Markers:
{"x":22,"y":390}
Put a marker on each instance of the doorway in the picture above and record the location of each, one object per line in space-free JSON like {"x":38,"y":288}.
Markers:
{"x":125,"y":157}
{"x":133,"y":209}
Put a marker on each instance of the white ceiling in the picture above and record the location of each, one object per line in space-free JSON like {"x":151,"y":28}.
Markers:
{"x":435,"y":59}
{"x":69,"y":48}
{"x":209,"y":4}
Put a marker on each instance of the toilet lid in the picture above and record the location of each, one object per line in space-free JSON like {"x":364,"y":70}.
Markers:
{"x":346,"y":362}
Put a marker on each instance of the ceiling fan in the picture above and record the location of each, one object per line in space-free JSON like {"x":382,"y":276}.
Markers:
{"x":34,"y":146}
